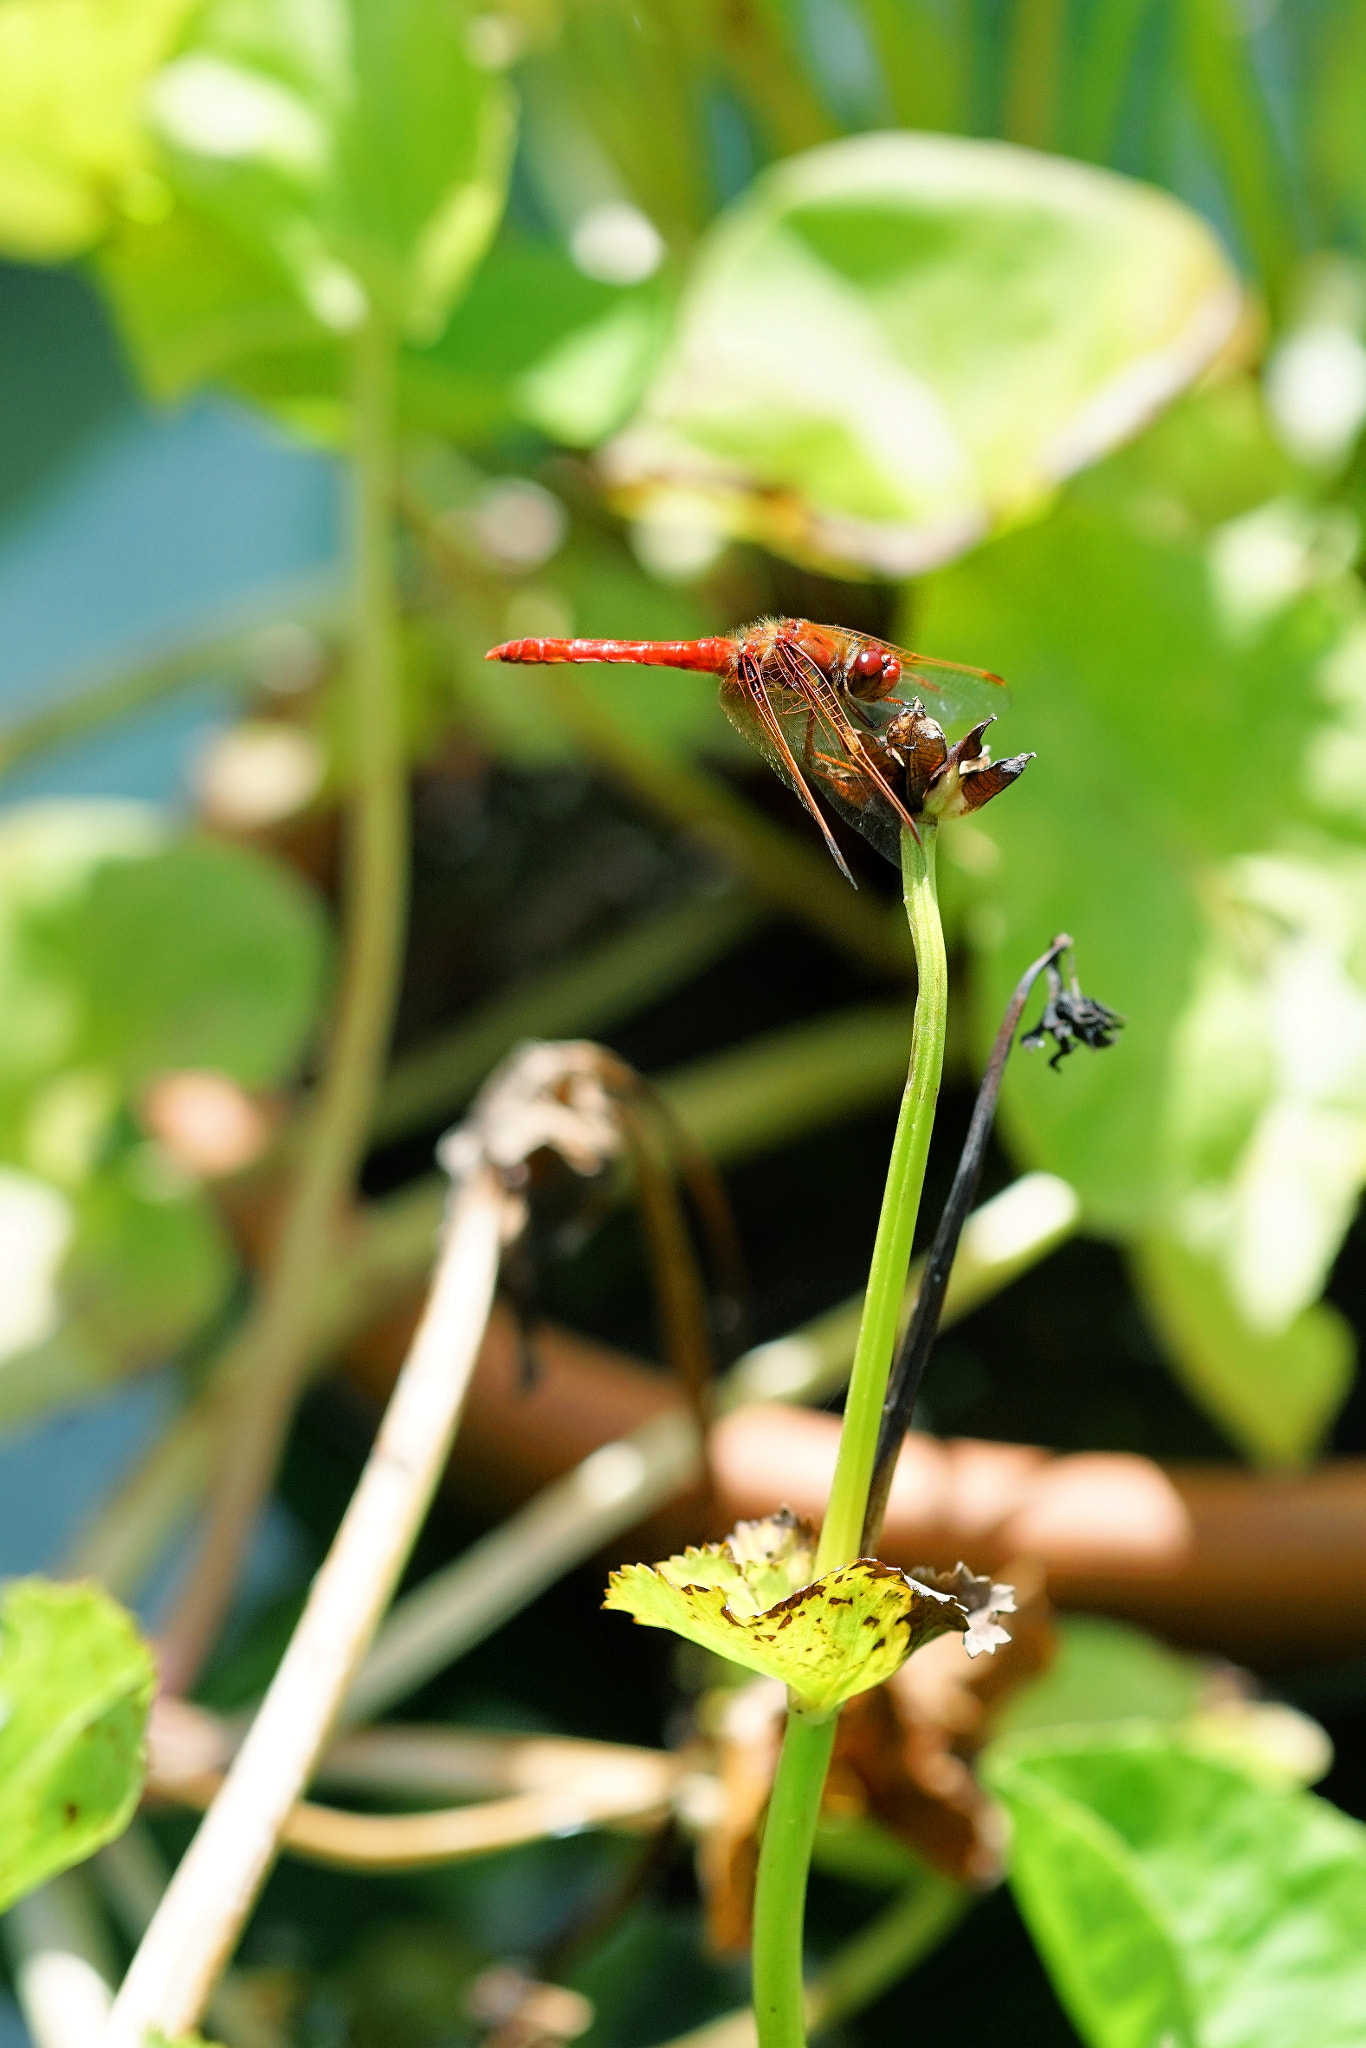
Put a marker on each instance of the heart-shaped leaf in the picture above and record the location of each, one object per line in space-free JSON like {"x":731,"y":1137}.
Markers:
{"x":1176,"y":1898}
{"x":892,"y":344}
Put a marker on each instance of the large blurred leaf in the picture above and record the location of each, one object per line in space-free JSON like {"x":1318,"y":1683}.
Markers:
{"x":1274,"y":1392}
{"x":528,"y":339}
{"x":1176,"y":1899}
{"x":893,"y":343}
{"x":49,"y":853}
{"x":531,"y":342}
{"x":72,"y":143}
{"x":1193,"y":683}
{"x":122,"y":956}
{"x":203,"y":955}
{"x":136,"y":1270}
{"x":1105,"y":1671}
{"x":324,"y":158}
{"x":103,"y":1281}
{"x":76,"y":1682}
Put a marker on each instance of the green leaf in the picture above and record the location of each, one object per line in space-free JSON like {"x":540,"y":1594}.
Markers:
{"x":1176,"y":1897}
{"x":323,"y":159}
{"x":896,"y":342}
{"x":122,"y":956}
{"x":195,"y":303}
{"x":586,"y":384}
{"x":49,"y":853}
{"x":73,"y":150}
{"x":76,"y":1683}
{"x":532,"y":339}
{"x":204,"y":955}
{"x":149,"y":1262}
{"x":1275,"y":1393}
{"x":751,"y":1599}
{"x":108,"y":1281}
{"x":1105,"y":1671}
{"x":1158,"y":632}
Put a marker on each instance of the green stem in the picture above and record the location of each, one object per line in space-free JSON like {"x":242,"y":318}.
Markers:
{"x":843,"y":1526}
{"x":790,"y":1829}
{"x":258,"y":1379}
{"x":780,"y":1892}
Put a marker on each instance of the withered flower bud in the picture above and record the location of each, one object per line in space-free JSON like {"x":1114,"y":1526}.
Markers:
{"x":970,"y":778}
{"x":1071,"y":1019}
{"x":946,"y":781}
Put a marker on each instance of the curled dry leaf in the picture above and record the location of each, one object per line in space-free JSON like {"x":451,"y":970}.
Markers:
{"x":542,"y":1097}
{"x":551,"y":1122}
{"x":980,"y":1599}
{"x":748,"y":1599}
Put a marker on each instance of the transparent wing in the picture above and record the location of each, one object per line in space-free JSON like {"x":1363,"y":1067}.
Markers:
{"x":824,"y":761}
{"x":951,"y":693}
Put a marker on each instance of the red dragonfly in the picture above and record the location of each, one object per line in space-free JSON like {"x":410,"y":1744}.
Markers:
{"x":821,"y":703}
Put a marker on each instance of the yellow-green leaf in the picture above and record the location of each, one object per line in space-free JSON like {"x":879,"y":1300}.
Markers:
{"x":76,"y":1682}
{"x":747,"y":1600}
{"x":72,"y":144}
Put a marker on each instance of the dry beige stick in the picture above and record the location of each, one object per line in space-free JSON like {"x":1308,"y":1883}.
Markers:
{"x":206,"y":1903}
{"x":133,"y":1875}
{"x":622,"y":1788}
{"x":563,"y":1525}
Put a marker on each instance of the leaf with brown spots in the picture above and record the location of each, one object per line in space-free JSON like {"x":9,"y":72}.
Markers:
{"x":827,"y":1640}
{"x":76,"y":1681}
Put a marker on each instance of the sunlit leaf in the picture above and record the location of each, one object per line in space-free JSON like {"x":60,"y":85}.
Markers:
{"x":105,"y":1282}
{"x":532,"y":338}
{"x":122,"y":956}
{"x":49,"y":853}
{"x":1106,"y":1671}
{"x":1177,"y":1898}
{"x":750,"y":1599}
{"x":76,"y":1682}
{"x":893,"y":343}
{"x":1274,"y":1392}
{"x":322,"y":160}
{"x":1188,"y":668}
{"x":73,"y":150}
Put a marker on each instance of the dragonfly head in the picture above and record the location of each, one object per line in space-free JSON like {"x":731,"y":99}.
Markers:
{"x":874,"y":665}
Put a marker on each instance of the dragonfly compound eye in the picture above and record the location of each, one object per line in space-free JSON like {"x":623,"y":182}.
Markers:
{"x":869,"y":663}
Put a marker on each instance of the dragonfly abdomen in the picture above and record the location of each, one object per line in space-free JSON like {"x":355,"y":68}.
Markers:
{"x":714,"y":656}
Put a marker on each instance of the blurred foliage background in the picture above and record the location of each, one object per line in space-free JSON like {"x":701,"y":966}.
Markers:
{"x":1026,"y":333}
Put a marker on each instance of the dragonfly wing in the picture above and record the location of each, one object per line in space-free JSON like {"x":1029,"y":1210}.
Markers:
{"x":747,"y":706}
{"x":862,"y":805}
{"x":840,"y":776}
{"x":952,"y":694}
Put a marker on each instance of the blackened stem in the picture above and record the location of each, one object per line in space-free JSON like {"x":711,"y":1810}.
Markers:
{"x":908,"y":1367}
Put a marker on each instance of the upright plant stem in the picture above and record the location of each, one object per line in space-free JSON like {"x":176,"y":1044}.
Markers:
{"x":843,"y":1526}
{"x":262,"y":1371}
{"x":780,"y":1889}
{"x":790,"y":1828}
